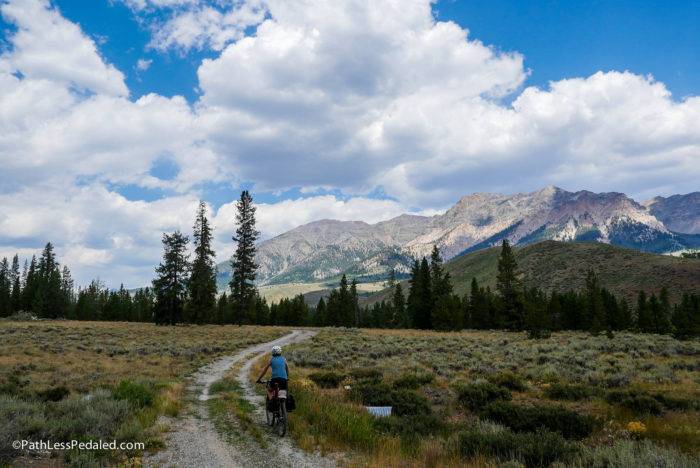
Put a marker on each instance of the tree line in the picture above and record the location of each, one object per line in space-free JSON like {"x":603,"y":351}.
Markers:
{"x":431,"y":304}
{"x":43,"y":287}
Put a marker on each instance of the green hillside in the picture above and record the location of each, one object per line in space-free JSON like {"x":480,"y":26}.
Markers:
{"x":561,"y":266}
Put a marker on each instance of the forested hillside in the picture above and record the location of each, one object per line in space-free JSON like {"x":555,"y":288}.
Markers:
{"x":562,"y":266}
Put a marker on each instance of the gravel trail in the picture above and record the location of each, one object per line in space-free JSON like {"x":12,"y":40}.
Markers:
{"x":195,"y":442}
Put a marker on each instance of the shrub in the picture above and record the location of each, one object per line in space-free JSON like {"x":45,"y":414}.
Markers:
{"x":373,"y":394}
{"x":412,"y":381}
{"x":508,"y":380}
{"x":136,"y":394}
{"x":11,"y":385}
{"x":476,"y":395}
{"x":569,"y":392}
{"x":408,"y":402}
{"x":53,"y":393}
{"x":94,"y":416}
{"x":403,"y":402}
{"x":680,"y":404}
{"x":535,"y":449}
{"x":639,"y":402}
{"x":19,"y":419}
{"x":531,"y":418}
{"x":327,"y":379}
{"x":632,"y":453}
{"x":368,"y":376}
{"x":422,"y":424}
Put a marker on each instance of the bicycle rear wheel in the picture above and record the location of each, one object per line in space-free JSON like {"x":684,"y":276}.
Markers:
{"x":282,"y":419}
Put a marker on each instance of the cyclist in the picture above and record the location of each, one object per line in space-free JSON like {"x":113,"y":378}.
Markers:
{"x":280,"y":370}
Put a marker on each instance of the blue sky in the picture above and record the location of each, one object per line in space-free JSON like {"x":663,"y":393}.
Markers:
{"x":119,"y":115}
{"x":577,"y":38}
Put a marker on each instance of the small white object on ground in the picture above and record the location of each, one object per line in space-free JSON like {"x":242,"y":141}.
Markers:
{"x":379,"y":411}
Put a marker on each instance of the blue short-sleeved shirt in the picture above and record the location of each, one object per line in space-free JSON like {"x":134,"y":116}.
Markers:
{"x":279,"y":369}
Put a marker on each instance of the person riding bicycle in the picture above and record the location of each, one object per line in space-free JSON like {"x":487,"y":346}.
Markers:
{"x":280,"y":370}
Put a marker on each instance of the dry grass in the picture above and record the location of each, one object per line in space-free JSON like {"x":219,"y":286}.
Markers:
{"x":81,"y":358}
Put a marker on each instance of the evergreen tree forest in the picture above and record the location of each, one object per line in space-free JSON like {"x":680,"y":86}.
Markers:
{"x":432,"y":305}
{"x":184,"y":291}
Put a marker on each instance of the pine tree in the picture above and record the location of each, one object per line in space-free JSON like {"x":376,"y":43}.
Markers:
{"x":222,"y":307}
{"x":509,"y":287}
{"x":441,"y":292}
{"x":447,"y":313}
{"x":355,"y":303}
{"x":67,"y":292}
{"x":243,"y":291}
{"x":554,"y":311}
{"x":320,"y":314}
{"x":170,"y":284}
{"x":346,"y":313}
{"x":536,"y":319}
{"x":686,"y":317}
{"x":644,"y":318}
{"x":626,"y":321}
{"x":143,"y":305}
{"x":420,"y":301}
{"x":399,"y":319}
{"x":479,"y":316}
{"x":30,"y":286}
{"x":91,"y":301}
{"x":594,"y":301}
{"x":5,"y":289}
{"x":202,"y":305}
{"x":16,"y":295}
{"x":413,"y":301}
{"x":662,"y":319}
{"x":50,"y":303}
{"x":333,"y":309}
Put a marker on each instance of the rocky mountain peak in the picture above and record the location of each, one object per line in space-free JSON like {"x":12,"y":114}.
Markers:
{"x":323,"y":249}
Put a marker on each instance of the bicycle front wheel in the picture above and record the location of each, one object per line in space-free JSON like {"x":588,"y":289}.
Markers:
{"x":282,"y":420}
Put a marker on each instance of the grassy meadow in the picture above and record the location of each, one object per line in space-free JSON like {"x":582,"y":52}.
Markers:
{"x":65,"y":380}
{"x":492,"y":398}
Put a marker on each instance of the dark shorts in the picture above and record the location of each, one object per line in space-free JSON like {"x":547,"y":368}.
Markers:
{"x":281,"y":383}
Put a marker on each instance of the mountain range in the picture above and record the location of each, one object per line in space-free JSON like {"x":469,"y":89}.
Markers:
{"x":323,"y":250}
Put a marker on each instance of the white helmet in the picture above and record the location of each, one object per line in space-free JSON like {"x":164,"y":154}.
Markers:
{"x":276,"y":350}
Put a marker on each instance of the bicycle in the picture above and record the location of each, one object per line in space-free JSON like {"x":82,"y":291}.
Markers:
{"x":275,"y":407}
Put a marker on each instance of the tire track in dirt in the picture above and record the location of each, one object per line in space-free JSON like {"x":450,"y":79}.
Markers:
{"x":194,"y":441}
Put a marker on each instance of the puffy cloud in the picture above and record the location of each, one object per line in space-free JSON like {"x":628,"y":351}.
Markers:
{"x":47,"y":46}
{"x":206,"y":27}
{"x":359,"y":95}
{"x":65,"y":115}
{"x":309,"y":99}
{"x":97,"y":232}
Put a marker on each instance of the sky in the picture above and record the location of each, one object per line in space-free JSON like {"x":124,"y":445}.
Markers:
{"x":117,"y":116}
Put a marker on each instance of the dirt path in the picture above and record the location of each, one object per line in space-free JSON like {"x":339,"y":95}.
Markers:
{"x":194,"y":441}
